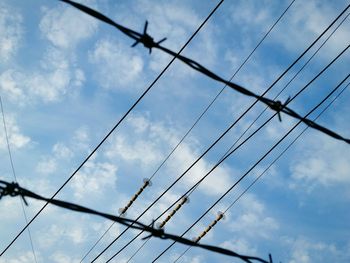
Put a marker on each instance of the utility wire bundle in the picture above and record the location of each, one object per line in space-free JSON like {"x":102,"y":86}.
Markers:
{"x":13,"y":190}
{"x":148,"y":42}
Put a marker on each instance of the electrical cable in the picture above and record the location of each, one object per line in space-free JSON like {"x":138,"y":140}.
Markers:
{"x":197,"y":120}
{"x":15,"y":177}
{"x":273,"y":162}
{"x":252,"y":167}
{"x":307,"y":49}
{"x":115,"y":126}
{"x":255,"y":120}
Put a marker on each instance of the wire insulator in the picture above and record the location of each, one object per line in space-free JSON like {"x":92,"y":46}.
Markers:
{"x":217,"y":219}
{"x":173,"y":212}
{"x":146,"y":182}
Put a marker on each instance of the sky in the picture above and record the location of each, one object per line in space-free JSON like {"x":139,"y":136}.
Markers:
{"x":66,"y":79}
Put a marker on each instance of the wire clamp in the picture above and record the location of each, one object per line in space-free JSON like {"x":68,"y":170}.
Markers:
{"x":147,"y":40}
{"x":11,"y":189}
{"x":278,"y":106}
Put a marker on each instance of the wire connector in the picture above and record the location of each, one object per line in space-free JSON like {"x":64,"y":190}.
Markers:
{"x":147,"y":40}
{"x":278,"y":107}
{"x":11,"y":189}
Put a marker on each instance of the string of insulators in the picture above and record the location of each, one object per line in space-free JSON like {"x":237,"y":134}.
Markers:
{"x":146,"y":182}
{"x":217,"y":219}
{"x":173,"y":212}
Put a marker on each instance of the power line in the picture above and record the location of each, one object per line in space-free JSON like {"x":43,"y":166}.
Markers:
{"x":274,"y":161}
{"x":13,"y":189}
{"x":222,"y":136}
{"x":191,"y":128}
{"x":252,"y":167}
{"x":148,"y":42}
{"x":15,"y":176}
{"x":246,"y":130}
{"x":115,"y":126}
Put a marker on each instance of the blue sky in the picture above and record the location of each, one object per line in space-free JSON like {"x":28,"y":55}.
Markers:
{"x":66,"y":79}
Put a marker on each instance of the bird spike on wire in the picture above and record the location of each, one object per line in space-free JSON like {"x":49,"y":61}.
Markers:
{"x":183,"y":201}
{"x":147,"y":40}
{"x":146,"y":182}
{"x":220,"y":216}
{"x":13,"y":189}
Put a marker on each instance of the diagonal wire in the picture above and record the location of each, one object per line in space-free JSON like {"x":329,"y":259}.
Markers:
{"x":274,"y":161}
{"x":316,"y":40}
{"x":13,"y":189}
{"x":230,"y":153}
{"x":256,"y":119}
{"x":148,"y":42}
{"x":116,"y":125}
{"x":14,"y":175}
{"x":200,"y":117}
{"x":252,"y":167}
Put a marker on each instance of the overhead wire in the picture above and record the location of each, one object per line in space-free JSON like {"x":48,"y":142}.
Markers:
{"x":253,"y":122}
{"x":123,"y":210}
{"x":15,"y":177}
{"x":227,"y":154}
{"x":13,"y":190}
{"x":252,"y":167}
{"x":283,"y":74}
{"x":272,"y":163}
{"x":149,"y":43}
{"x":116,"y":125}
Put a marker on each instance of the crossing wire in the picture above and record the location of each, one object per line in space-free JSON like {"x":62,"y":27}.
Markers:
{"x":15,"y":176}
{"x":115,"y":126}
{"x":237,"y":147}
{"x":252,"y":167}
{"x":255,"y":120}
{"x":273,"y":162}
{"x":13,"y":189}
{"x":247,"y":110}
{"x":198,"y":119}
{"x":148,"y":42}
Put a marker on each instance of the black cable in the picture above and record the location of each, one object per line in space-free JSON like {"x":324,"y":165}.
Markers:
{"x":148,"y":42}
{"x":115,"y":126}
{"x":275,"y":160}
{"x":255,"y":120}
{"x":316,"y":40}
{"x":201,"y":115}
{"x":13,"y":189}
{"x":250,"y":169}
{"x":15,"y":177}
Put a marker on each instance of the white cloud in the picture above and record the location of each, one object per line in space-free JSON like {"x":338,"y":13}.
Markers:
{"x":55,"y":78}
{"x":304,"y":250}
{"x":324,"y":161}
{"x":65,"y":27}
{"x":10,"y":32}
{"x":252,"y":220}
{"x":94,"y":179}
{"x":117,"y":65}
{"x":240,"y":245}
{"x":17,"y":140}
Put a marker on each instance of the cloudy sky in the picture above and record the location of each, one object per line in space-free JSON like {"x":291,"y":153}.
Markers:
{"x":66,"y":79}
